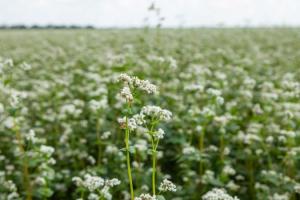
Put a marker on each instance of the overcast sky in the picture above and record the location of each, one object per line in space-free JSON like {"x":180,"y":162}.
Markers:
{"x":131,"y":13}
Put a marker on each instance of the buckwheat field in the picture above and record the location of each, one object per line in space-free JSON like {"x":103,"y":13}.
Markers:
{"x":150,"y":114}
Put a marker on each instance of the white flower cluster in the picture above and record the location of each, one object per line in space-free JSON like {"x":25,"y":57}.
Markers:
{"x":229,"y":170}
{"x":126,"y":94}
{"x":10,"y":187}
{"x":135,"y":82}
{"x":145,"y":197}
{"x":131,"y":123}
{"x":188,"y":150}
{"x":218,"y":194}
{"x":277,"y":196}
{"x":96,"y":184}
{"x":31,"y":136}
{"x":92,"y":183}
{"x":194,"y":87}
{"x":47,"y":150}
{"x":97,"y":105}
{"x":167,"y":185}
{"x":5,"y":63}
{"x":156,"y":112}
{"x":217,"y":94}
{"x":139,"y":119}
{"x":16,"y":97}
{"x":112,"y":182}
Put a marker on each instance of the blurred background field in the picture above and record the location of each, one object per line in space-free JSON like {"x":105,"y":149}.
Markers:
{"x":251,"y":142}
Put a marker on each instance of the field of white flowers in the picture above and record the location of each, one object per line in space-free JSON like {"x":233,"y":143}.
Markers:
{"x":194,"y":114}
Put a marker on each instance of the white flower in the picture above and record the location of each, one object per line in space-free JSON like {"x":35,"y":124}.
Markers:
{"x":51,"y":161}
{"x":131,"y":123}
{"x":31,"y":136}
{"x":232,"y":186}
{"x":16,"y":97}
{"x":91,"y":159}
{"x":206,"y":111}
{"x":12,"y":195}
{"x":47,"y":150}
{"x":194,"y":87}
{"x":125,"y":78}
{"x":40,"y":181}
{"x":167,"y":185}
{"x":78,"y":181}
{"x":218,"y":194}
{"x":112,"y":182}
{"x":9,"y":122}
{"x":297,"y":188}
{"x":1,"y":108}
{"x":188,"y":150}
{"x":139,"y":119}
{"x":105,"y":135}
{"x":145,"y":197}
{"x":92,"y":183}
{"x":68,"y":108}
{"x":96,"y":105}
{"x":277,"y":196}
{"x":214,"y":92}
{"x":220,"y":100}
{"x":93,"y":196}
{"x":126,"y":94}
{"x":157,"y":112}
{"x":111,"y":149}
{"x":228,"y":170}
{"x":160,"y":133}
{"x":143,"y":85}
{"x":95,"y":183}
{"x":11,"y":186}
{"x":141,"y":145}
{"x":105,"y":193}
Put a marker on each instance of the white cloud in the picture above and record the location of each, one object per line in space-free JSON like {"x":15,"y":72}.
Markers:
{"x":123,"y":13}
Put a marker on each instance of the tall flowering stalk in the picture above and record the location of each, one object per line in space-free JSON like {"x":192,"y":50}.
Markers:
{"x":149,"y":117}
{"x":152,"y":116}
{"x":130,"y":124}
{"x":129,"y":98}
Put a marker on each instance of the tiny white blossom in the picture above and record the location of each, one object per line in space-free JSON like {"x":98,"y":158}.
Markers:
{"x":167,"y":185}
{"x":160,"y":133}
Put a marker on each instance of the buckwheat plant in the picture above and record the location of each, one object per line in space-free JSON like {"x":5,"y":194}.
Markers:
{"x":32,"y":155}
{"x":149,"y":118}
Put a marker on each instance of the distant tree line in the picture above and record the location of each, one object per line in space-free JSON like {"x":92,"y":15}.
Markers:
{"x":22,"y":26}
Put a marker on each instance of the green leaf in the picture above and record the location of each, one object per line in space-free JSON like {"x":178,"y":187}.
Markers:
{"x":160,"y":197}
{"x":45,"y":192}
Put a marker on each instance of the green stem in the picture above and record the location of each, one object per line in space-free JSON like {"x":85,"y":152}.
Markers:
{"x":98,"y":141}
{"x":26,"y":175}
{"x":222,"y":148}
{"x":82,"y":194}
{"x":153,"y":167}
{"x":154,"y":143}
{"x":201,"y":148}
{"x":128,"y":160}
{"x":251,"y":177}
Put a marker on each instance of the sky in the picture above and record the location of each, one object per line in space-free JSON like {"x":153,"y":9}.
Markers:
{"x":132,"y":13}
